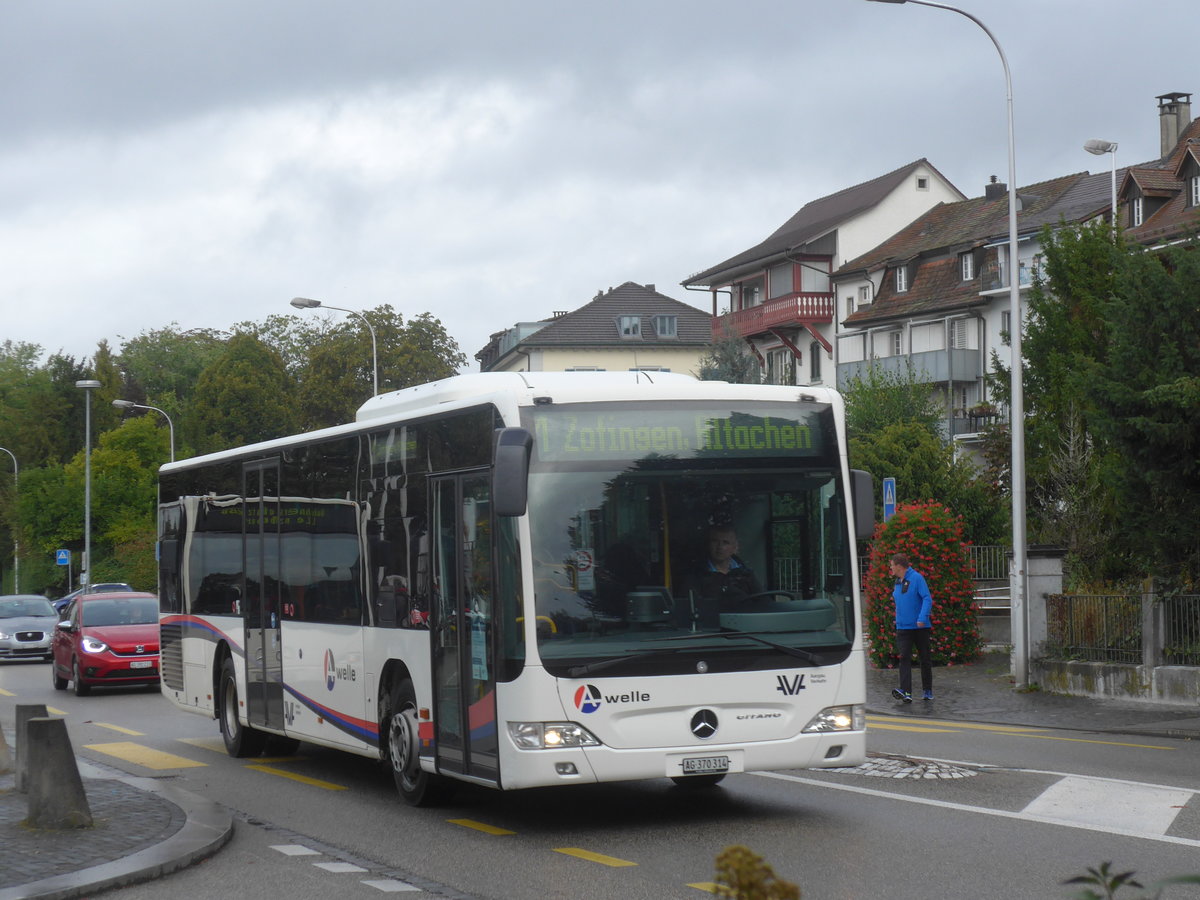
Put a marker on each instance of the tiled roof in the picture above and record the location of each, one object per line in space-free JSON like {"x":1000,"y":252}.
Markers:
{"x":1175,"y":219}
{"x":813,"y":220}
{"x":937,"y":287}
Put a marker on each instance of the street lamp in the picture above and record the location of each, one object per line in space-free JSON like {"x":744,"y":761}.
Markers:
{"x":129,"y":404}
{"x":306,"y":303}
{"x":16,"y":539}
{"x":87,"y":386}
{"x":1099,"y":148}
{"x":1020,"y":611}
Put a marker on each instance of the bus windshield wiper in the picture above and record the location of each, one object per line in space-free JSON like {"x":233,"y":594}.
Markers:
{"x":806,"y":655}
{"x":601,"y":664}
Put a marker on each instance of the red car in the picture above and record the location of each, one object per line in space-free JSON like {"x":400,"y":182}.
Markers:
{"x":107,"y":638}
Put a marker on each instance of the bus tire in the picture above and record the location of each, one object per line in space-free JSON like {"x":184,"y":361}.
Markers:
{"x":698,"y":781}
{"x":240,"y":740}
{"x":416,"y":786}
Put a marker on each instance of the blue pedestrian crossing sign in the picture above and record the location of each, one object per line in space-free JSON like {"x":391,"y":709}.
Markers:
{"x":62,"y":557}
{"x":889,"y":498}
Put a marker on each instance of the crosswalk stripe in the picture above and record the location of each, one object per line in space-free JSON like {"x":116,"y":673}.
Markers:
{"x":303,"y":779}
{"x":1089,"y":801}
{"x":128,"y":731}
{"x":144,"y":756}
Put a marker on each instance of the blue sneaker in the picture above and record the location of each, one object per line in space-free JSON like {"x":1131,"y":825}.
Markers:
{"x":927,"y":695}
{"x":902,"y":695}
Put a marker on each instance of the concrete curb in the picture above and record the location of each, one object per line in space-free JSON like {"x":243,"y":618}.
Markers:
{"x":207,"y":828}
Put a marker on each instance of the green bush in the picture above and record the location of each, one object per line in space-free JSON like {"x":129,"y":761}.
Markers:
{"x":932,"y":538}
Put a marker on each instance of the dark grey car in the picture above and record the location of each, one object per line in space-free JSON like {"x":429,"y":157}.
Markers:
{"x":26,"y":625}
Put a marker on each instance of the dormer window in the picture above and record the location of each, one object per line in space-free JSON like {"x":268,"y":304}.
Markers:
{"x":966,"y":265}
{"x":666,"y":326}
{"x":1135,"y":212}
{"x":1194,"y":191}
{"x":630,"y":326}
{"x":901,"y":279}
{"x":864,"y":295}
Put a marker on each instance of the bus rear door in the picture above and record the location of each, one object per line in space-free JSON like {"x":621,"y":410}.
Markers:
{"x":260,"y":593}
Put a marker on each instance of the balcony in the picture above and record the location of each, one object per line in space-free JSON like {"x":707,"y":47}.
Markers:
{"x":931,"y":366}
{"x":792,"y":311}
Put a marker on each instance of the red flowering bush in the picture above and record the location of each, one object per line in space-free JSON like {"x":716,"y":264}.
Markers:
{"x":931,"y":536}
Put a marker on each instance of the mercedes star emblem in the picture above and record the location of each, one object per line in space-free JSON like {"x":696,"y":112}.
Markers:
{"x":704,"y":724}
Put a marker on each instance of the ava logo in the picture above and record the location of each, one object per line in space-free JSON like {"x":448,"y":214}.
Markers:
{"x":330,"y":670}
{"x":790,"y":686}
{"x":587,"y":698}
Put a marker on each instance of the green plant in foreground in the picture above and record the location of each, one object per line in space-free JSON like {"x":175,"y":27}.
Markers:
{"x":1110,"y":882}
{"x":744,"y":875}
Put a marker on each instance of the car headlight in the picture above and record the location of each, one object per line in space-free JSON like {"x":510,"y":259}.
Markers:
{"x":91,"y":645}
{"x":4,"y":636}
{"x":550,"y":735}
{"x":838,"y":718}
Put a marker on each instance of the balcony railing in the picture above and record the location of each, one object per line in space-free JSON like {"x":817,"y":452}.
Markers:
{"x":782,"y":312}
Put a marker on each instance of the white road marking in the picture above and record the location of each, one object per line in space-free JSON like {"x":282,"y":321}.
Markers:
{"x":1088,"y":801}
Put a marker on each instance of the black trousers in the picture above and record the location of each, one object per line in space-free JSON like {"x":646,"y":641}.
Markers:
{"x":906,"y":638}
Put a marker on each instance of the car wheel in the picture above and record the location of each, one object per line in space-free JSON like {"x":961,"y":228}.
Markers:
{"x":416,"y":786}
{"x":81,"y":689}
{"x":60,"y":683}
{"x":240,"y":740}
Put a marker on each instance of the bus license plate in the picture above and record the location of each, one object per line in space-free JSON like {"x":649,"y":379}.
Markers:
{"x":141,"y":664}
{"x":704,"y":765}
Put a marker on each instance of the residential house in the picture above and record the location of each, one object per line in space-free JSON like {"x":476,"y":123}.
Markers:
{"x":777,"y":295}
{"x":1160,"y":201}
{"x":630,"y":327}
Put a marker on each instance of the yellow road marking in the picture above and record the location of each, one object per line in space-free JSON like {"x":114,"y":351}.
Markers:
{"x":4,"y":693}
{"x":890,"y":723}
{"x":872,"y":726}
{"x":709,"y":887}
{"x":144,"y":756}
{"x":120,"y":729}
{"x":594,"y":857}
{"x":1052,"y":737}
{"x":479,"y":826}
{"x":950,"y":723}
{"x":56,"y":711}
{"x":303,"y":779}
{"x":216,"y":744}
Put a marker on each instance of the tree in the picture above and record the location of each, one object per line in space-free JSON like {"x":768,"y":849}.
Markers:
{"x":245,"y":396}
{"x":162,"y":366}
{"x":727,"y":360}
{"x":881,"y":398}
{"x":931,"y":536}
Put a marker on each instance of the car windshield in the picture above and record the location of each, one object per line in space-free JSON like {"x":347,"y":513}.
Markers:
{"x":630,"y":548}
{"x":114,"y":611}
{"x":32,"y":606}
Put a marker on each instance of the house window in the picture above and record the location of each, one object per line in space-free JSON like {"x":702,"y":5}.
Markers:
{"x":630,"y":326}
{"x":584,"y":369}
{"x":922,"y":182}
{"x":1006,"y":328}
{"x":864,"y":295}
{"x":781,"y":367}
{"x":649,"y":369}
{"x":849,"y":306}
{"x":814,"y":363}
{"x":895,"y":340}
{"x":901,"y":279}
{"x":958,"y":334}
{"x":666,"y":326}
{"x":814,"y":277}
{"x":966,"y":263}
{"x":1135,"y":212}
{"x":1194,"y":191}
{"x":751,"y":292}
{"x":780,"y":280}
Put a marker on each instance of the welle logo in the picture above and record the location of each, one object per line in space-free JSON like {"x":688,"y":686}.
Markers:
{"x":790,"y":686}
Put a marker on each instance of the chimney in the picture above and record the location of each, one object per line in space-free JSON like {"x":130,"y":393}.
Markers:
{"x":995,"y":189}
{"x":649,"y":287}
{"x":1174,"y":115}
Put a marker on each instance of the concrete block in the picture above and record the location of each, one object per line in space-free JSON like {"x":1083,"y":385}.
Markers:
{"x":56,"y":796}
{"x":25,"y":712}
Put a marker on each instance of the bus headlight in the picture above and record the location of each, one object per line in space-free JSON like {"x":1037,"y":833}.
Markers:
{"x":550,"y":735}
{"x":838,"y":718}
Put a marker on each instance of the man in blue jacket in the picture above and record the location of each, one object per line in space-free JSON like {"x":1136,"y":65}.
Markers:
{"x":914,"y":605}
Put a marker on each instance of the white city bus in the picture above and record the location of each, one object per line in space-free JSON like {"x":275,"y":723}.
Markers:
{"x":493,"y":579}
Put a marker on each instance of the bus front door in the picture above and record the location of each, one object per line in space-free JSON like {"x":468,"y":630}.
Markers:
{"x":260,"y":594}
{"x":464,"y":680}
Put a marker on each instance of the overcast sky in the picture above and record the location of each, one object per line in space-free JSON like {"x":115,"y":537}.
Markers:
{"x":488,"y":162}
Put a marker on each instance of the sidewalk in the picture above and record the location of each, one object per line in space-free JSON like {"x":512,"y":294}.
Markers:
{"x":145,"y":829}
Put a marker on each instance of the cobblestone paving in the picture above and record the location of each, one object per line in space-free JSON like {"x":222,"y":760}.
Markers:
{"x":882,"y":766}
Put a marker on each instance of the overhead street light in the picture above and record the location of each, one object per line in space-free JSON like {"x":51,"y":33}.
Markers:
{"x":1020,"y":609}
{"x":129,"y":404}
{"x":16,"y":538}
{"x":85,"y":575}
{"x":306,"y":303}
{"x":1098,"y":148}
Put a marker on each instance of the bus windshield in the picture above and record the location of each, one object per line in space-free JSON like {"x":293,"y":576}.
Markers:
{"x":665,"y":539}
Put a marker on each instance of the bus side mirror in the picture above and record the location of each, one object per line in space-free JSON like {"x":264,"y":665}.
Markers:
{"x":862,"y":492}
{"x":510,"y":471}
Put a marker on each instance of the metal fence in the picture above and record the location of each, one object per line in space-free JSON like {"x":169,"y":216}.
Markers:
{"x":1094,"y":627}
{"x":990,"y":561}
{"x":1181,"y":630}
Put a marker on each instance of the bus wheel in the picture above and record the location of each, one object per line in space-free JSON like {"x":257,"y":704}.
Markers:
{"x":698,"y":781}
{"x":240,"y":740}
{"x":416,"y":787}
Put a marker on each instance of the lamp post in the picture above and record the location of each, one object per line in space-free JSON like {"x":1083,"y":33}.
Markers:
{"x":87,"y":386}
{"x":1099,"y":148}
{"x":1020,"y":611}
{"x":16,"y":539}
{"x":306,"y":303}
{"x":129,"y":404}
